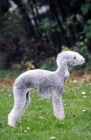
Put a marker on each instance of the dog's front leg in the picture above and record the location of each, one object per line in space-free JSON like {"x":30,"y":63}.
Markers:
{"x":58,"y":106}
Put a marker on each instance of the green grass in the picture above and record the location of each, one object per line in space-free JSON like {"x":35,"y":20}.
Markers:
{"x":39,"y":123}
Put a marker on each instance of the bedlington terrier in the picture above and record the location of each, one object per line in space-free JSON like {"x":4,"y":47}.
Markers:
{"x":48,"y":85}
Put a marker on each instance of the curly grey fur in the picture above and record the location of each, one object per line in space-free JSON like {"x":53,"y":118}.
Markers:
{"x":48,"y":85}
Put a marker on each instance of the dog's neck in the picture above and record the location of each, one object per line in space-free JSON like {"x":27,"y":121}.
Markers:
{"x":59,"y":70}
{"x":69,"y":68}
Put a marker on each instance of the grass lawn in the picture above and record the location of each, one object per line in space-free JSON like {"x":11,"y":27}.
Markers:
{"x":39,"y":123}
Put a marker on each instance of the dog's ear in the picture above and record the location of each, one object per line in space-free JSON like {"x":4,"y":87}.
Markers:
{"x":64,"y":65}
{"x":65,"y":68}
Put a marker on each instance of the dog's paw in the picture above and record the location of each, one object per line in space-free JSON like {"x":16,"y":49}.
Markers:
{"x":60,"y":116}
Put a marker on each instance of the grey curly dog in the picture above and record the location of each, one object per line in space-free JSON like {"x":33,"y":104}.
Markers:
{"x":48,"y":85}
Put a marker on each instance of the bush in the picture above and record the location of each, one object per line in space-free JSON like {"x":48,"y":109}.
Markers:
{"x":17,"y":48}
{"x":87,"y":55}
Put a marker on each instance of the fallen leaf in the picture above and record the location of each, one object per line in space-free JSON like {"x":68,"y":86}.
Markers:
{"x":84,"y":96}
{"x":83,"y":92}
{"x":25,"y":131}
{"x":43,"y":112}
{"x":75,"y":81}
{"x":84,"y":111}
{"x":10,"y":95}
{"x":90,"y":84}
{"x":28,"y":128}
{"x":41,"y":117}
{"x":52,"y":138}
{"x":74,"y":95}
{"x":74,"y":115}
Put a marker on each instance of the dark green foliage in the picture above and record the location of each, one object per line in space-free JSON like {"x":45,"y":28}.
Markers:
{"x":27,"y":35}
{"x":87,"y":54}
{"x":4,"y":6}
{"x":85,"y":8}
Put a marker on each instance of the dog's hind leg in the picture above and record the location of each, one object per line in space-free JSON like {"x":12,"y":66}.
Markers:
{"x":19,"y":105}
{"x":25,"y":106}
{"x":27,"y":103}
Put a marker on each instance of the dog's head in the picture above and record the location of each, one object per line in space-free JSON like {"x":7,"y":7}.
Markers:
{"x":73,"y":58}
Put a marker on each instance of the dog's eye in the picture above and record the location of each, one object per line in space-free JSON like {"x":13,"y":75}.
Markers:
{"x":75,"y":57}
